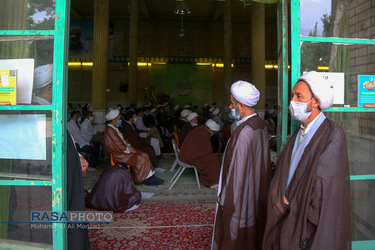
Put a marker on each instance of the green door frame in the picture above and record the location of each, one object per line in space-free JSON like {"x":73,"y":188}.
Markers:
{"x":296,"y":40}
{"x":58,"y":109}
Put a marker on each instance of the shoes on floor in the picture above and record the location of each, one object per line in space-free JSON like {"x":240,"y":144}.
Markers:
{"x":153,"y":181}
{"x":159,"y":169}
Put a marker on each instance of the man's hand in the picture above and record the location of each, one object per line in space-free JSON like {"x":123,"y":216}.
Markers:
{"x":85,"y":164}
{"x":131,"y":149}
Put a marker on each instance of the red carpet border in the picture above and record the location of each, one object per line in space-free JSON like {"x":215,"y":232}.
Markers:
{"x":164,"y":224}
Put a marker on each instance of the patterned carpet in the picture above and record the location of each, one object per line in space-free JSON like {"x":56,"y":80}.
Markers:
{"x":185,"y":188}
{"x":179,"y":224}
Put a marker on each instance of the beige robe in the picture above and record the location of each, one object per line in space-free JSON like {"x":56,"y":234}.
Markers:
{"x":117,"y":145}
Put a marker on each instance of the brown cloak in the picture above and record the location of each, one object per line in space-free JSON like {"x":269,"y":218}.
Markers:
{"x":242,"y":200}
{"x":140,"y":161}
{"x":197,"y":151}
{"x":114,"y":191}
{"x":184,"y":132}
{"x":131,"y":134}
{"x":319,"y":212}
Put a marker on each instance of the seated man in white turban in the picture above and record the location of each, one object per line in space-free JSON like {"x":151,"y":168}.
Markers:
{"x":245,"y":175}
{"x":42,"y":86}
{"x":189,"y":126}
{"x":123,"y":151}
{"x":309,"y":196}
{"x":197,"y":150}
{"x":182,"y":120}
{"x":216,"y":116}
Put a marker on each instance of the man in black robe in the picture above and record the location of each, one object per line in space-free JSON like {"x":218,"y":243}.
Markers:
{"x":78,"y":237}
{"x":245,"y":175}
{"x":309,"y":205}
{"x":114,"y":190}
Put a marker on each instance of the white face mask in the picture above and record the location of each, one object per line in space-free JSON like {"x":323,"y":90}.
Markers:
{"x":299,"y":110}
{"x":91,"y":118}
{"x":194,"y":124}
{"x":234,"y":114}
{"x":135,"y":120}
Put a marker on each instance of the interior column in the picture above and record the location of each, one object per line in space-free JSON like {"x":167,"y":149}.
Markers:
{"x":133,"y":52}
{"x":100,"y":60}
{"x":258,"y":46}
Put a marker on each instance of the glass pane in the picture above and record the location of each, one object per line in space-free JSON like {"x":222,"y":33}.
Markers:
{"x":18,"y":202}
{"x":363,"y":219}
{"x":360,"y":136}
{"x":26,"y":143}
{"x":350,"y":60}
{"x":27,"y":15}
{"x":345,"y":19}
{"x":23,"y":54}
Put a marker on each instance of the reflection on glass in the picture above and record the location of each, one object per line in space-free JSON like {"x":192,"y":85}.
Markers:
{"x":352,"y":60}
{"x":26,"y":145}
{"x":363,"y":218}
{"x":344,"y":18}
{"x":315,"y":17}
{"x":27,"y":15}
{"x":360,"y":138}
{"x":18,"y":202}
{"x":24,"y":54}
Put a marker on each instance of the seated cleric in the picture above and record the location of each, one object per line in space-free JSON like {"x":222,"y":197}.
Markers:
{"x":197,"y":150}
{"x":123,"y":151}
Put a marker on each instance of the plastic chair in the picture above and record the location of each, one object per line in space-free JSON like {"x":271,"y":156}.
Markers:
{"x":183,"y":166}
{"x":178,"y":150}
{"x":113,"y":163}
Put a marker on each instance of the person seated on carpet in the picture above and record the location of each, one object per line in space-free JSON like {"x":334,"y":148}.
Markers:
{"x":114,"y":191}
{"x":131,"y":134}
{"x":188,"y":126}
{"x":123,"y":151}
{"x":197,"y":151}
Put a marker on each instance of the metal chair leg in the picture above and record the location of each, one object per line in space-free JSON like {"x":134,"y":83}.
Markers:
{"x":174,"y":182}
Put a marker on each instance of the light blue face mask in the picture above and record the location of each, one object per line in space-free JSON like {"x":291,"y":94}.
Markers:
{"x":119,"y":123}
{"x":233,"y":113}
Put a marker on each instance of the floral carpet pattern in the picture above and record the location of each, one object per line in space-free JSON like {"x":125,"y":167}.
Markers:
{"x":158,"y":224}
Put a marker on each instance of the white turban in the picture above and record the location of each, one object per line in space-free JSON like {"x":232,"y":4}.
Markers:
{"x":43,"y":76}
{"x":192,"y":116}
{"x":216,"y":111}
{"x":112,"y":114}
{"x":186,"y":112}
{"x":211,"y":124}
{"x":320,"y":87}
{"x":245,"y":93}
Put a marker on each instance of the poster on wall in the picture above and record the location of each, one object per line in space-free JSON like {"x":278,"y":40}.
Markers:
{"x":81,"y":39}
{"x":184,"y":83}
{"x":24,"y":78}
{"x":366,"y":90}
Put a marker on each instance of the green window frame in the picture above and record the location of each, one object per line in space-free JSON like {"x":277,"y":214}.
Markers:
{"x":58,"y":110}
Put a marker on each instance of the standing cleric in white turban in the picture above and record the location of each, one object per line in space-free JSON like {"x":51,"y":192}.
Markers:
{"x":309,"y":196}
{"x":42,"y":86}
{"x":245,"y":174}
